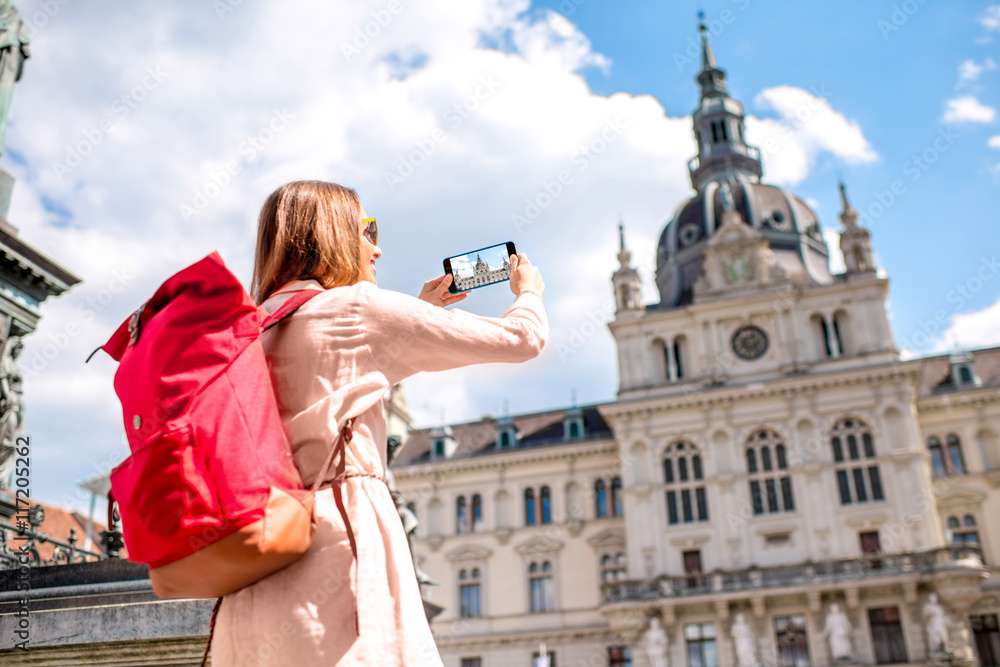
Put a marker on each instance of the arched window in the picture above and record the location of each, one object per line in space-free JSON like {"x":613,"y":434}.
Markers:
{"x":613,"y":567}
{"x":468,"y":586}
{"x":529,"y":507}
{"x":461,"y":516}
{"x":546,"y":501}
{"x":964,"y":531}
{"x":955,"y":459}
{"x":679,"y":358}
{"x":946,"y":460}
{"x":541,"y":588}
{"x":825,"y":331}
{"x":965,"y":375}
{"x":858,"y":479}
{"x":574,"y":430}
{"x":616,"y":496}
{"x":838,"y":340}
{"x":504,"y":442}
{"x":938,"y":466}
{"x":477,"y":511}
{"x":683,"y":474}
{"x":767,"y":466}
{"x":601,"y":498}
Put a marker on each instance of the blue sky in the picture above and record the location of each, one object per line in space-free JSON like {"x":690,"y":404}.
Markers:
{"x":143,"y":140}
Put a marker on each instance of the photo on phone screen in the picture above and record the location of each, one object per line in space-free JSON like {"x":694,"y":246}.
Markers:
{"x":478,"y":268}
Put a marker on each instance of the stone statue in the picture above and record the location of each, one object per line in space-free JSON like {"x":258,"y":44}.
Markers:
{"x":408,"y":518}
{"x":654,"y":643}
{"x":11,"y":405}
{"x":744,"y":642}
{"x":839,"y":629}
{"x":726,"y":195}
{"x":14,"y":51}
{"x":936,"y":624}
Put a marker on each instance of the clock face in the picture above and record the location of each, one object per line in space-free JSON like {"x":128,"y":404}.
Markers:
{"x":749,"y":342}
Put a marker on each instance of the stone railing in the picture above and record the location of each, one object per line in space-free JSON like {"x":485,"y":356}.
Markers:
{"x":723,"y":149}
{"x":783,"y":576}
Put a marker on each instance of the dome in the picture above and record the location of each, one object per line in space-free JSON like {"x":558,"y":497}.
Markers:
{"x":788,"y":223}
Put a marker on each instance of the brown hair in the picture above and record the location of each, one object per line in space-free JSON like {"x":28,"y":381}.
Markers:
{"x":307,"y":229}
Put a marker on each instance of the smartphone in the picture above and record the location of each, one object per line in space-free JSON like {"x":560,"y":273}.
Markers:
{"x":479,"y":267}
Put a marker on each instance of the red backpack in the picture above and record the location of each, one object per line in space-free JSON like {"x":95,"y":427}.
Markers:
{"x":210,"y":497}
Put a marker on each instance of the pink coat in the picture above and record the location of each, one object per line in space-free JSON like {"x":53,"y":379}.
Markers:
{"x":335,"y":358}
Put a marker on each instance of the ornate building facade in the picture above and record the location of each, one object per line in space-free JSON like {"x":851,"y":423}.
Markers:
{"x":773,"y":484}
{"x":482,"y":274}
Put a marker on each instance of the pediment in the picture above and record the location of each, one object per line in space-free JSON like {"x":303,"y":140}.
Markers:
{"x":538,"y":544}
{"x":611,"y":537}
{"x":469,"y":552}
{"x":960,"y":495}
{"x":733,"y":230}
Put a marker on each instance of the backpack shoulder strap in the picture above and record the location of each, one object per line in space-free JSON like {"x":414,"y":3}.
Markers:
{"x":289,"y":306}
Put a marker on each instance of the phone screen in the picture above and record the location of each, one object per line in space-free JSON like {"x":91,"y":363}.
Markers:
{"x":478,"y":268}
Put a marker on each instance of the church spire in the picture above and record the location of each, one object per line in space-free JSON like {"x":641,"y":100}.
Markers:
{"x":718,"y":126}
{"x":626,"y":282}
{"x":855,"y":239}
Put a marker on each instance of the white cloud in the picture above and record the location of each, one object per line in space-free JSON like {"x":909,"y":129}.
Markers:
{"x":994,"y":141}
{"x":807,"y":125}
{"x":976,"y":329}
{"x":491,"y":128}
{"x":970,"y":70}
{"x":967,"y":109}
{"x":991,"y":18}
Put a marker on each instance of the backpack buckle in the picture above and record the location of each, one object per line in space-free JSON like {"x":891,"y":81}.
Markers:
{"x":134,"y":325}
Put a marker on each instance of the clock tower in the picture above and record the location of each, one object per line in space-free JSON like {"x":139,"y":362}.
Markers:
{"x":746,"y":292}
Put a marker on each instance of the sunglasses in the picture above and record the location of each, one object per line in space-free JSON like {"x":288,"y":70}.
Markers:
{"x":371,"y":230}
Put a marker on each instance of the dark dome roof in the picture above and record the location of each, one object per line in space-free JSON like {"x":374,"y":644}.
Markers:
{"x":786,"y":221}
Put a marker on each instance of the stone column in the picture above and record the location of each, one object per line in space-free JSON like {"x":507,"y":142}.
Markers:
{"x":723,"y":642}
{"x":819,"y":654}
{"x":913,"y":626}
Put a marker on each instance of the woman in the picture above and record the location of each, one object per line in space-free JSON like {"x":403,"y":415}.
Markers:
{"x":331,"y":361}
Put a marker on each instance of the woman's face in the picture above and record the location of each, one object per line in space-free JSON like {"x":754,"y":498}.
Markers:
{"x":369,"y":252}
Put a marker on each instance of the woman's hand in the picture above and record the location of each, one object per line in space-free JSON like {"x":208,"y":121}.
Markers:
{"x":435,"y":292}
{"x":524,"y":276}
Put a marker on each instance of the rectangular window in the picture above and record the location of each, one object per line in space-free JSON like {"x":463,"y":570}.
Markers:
{"x":772,"y":495}
{"x":845,"y":487}
{"x":871,"y":548}
{"x":699,"y":495}
{"x":786,"y":494}
{"x":876,"y":481}
{"x":859,"y":485}
{"x":838,"y":451}
{"x":686,"y":504}
{"x":470,"y":601}
{"x":852,"y":448}
{"x":472,"y":662}
{"x":887,"y":635}
{"x":541,"y":594}
{"x":672,"y":507}
{"x":987,"y":639}
{"x":668,"y":470}
{"x":682,"y":468}
{"x":700,"y":638}
{"x":692,"y":566}
{"x":439,"y":448}
{"x":756,"y":498}
{"x":793,"y":649}
{"x":619,"y":656}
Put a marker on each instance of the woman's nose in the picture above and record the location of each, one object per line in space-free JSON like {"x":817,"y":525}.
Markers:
{"x":377,"y":253}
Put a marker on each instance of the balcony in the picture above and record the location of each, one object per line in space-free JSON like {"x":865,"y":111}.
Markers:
{"x":953,"y":559}
{"x":736,"y":151}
